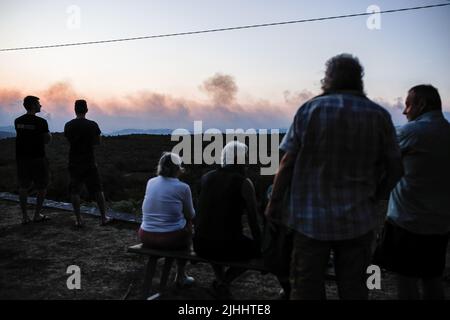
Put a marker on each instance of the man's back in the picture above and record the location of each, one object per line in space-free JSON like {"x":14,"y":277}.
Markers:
{"x":30,"y":143}
{"x":420,"y":202}
{"x":82,"y":135}
{"x":341,"y":141}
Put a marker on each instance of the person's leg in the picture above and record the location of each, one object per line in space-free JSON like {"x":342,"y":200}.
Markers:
{"x":94,"y":186}
{"x":39,"y":203}
{"x":181,"y":278}
{"x":219,"y":272}
{"x":23,"y":176}
{"x":232,"y":273}
{"x":408,"y":288}
{"x":286,"y":286}
{"x":76,"y":209}
{"x":351,"y":258}
{"x":23,"y":196}
{"x":100,"y":197}
{"x":308,"y":265}
{"x":75,"y":186}
{"x":433,"y":289}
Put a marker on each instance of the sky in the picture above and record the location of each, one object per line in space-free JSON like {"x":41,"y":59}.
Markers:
{"x":254,"y":78}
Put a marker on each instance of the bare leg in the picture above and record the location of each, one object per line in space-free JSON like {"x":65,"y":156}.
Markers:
{"x":23,"y":195}
{"x":285,"y":284}
{"x":219,"y":272}
{"x":408,"y":288}
{"x":39,"y":202}
{"x":182,"y":279}
{"x":433,"y":289}
{"x":101,"y":207}
{"x":76,"y":209}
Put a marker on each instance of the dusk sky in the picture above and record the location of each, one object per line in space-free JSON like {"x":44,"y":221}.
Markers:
{"x":251,"y":78}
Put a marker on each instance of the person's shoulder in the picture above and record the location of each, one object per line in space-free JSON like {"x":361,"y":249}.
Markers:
{"x":92,"y":123}
{"x":40,"y":119}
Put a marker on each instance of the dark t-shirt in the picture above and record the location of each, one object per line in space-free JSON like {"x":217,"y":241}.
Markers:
{"x":82,"y":134}
{"x":30,"y":131}
{"x":221,"y":205}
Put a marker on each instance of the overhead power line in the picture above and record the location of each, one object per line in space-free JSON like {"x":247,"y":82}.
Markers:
{"x":223,"y":29}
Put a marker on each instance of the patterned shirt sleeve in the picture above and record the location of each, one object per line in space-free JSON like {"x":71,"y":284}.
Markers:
{"x":290,"y":142}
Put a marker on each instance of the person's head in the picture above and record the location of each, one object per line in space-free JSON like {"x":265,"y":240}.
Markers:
{"x":421,"y":99}
{"x":81,"y":107}
{"x":343,"y":72}
{"x":32,"y":104}
{"x":233,"y":153}
{"x":170,"y":165}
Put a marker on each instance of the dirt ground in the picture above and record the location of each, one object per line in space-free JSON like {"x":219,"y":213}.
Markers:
{"x":34,"y":259}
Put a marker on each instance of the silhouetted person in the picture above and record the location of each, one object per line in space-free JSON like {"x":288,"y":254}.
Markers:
{"x":415,"y":238}
{"x":341,"y":156}
{"x":83,"y":134}
{"x":225,"y":195}
{"x":32,"y":165}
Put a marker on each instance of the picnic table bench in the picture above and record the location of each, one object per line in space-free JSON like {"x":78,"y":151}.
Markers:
{"x":189,"y":255}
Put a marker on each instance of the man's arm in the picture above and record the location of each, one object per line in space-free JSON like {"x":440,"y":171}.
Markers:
{"x":97,"y":140}
{"x":249,"y":195}
{"x":280,"y":184}
{"x":97,"y":136}
{"x":47,"y":137}
{"x":46,"y":133}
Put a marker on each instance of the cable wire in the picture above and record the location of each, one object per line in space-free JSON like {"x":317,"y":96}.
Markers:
{"x":223,"y":29}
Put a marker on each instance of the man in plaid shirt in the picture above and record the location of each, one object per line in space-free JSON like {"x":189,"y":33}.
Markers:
{"x":341,"y":157}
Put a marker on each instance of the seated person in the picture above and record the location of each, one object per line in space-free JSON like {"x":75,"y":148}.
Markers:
{"x":167,"y":212}
{"x":225,"y":194}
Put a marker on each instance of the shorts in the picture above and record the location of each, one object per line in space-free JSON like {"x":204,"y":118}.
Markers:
{"x":411,"y":254}
{"x":173,"y":240}
{"x":84,"y":175}
{"x":33,"y":171}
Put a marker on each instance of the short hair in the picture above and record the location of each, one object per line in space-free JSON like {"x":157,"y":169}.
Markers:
{"x":343,"y":72}
{"x":30,"y":101}
{"x":233,"y":152}
{"x":81,"y":106}
{"x":169,"y":165}
{"x":428,"y":95}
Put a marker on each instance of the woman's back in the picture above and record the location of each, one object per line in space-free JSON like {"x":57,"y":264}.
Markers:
{"x":164,"y":202}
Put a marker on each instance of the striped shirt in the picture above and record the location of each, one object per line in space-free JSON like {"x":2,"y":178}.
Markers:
{"x":346,"y":149}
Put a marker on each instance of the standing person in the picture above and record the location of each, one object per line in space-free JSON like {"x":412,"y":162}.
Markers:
{"x":82,"y":135}
{"x":167,"y":212}
{"x":341,"y":156}
{"x":415,"y":239}
{"x":32,"y":165}
{"x":225,"y":195}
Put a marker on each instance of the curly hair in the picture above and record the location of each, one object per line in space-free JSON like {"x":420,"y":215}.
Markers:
{"x":343,"y":72}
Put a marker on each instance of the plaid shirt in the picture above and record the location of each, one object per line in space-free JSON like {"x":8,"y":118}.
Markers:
{"x":345,"y":147}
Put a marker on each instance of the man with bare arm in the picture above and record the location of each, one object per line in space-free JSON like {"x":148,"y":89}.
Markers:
{"x":32,"y":165}
{"x":83,"y":134}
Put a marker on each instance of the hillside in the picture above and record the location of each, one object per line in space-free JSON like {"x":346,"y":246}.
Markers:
{"x":125,"y":163}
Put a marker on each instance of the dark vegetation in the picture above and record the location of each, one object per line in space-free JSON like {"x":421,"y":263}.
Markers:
{"x":125,"y":163}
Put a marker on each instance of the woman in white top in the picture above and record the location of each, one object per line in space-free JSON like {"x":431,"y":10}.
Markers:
{"x":167,"y":211}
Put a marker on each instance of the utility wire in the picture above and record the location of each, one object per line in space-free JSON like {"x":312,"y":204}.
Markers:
{"x":223,"y":29}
